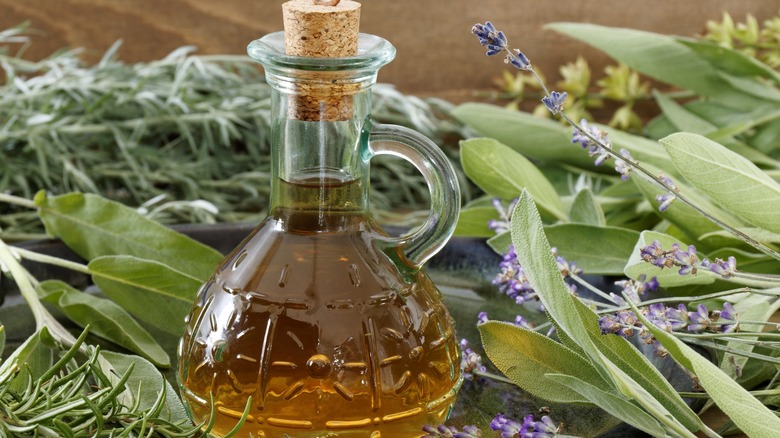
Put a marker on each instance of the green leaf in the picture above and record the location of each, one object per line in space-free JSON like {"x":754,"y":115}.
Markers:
{"x":93,"y":226}
{"x":618,"y":406}
{"x":525,"y":356}
{"x":758,"y":234}
{"x":660,"y":57}
{"x":729,"y":60}
{"x":504,"y":173}
{"x":535,"y":138}
{"x":692,"y":223}
{"x":151,"y":291}
{"x":586,"y":210}
{"x":750,"y":308}
{"x":743,"y":409}
{"x":753,"y":87}
{"x":105,"y":319}
{"x":731,"y":180}
{"x":33,"y":358}
{"x":145,"y":384}
{"x":596,"y":250}
{"x":473,"y":222}
{"x":667,"y":277}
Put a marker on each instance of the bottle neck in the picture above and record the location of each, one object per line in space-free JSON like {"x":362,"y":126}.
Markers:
{"x":318,"y":154}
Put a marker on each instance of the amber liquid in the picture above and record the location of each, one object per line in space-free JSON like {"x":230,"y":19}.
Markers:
{"x":312,"y":319}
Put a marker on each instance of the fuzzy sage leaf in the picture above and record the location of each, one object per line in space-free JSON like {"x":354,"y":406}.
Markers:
{"x":733,"y":181}
{"x":93,"y":226}
{"x":525,"y":356}
{"x":504,"y":173}
{"x":151,"y":291}
{"x":105,"y":319}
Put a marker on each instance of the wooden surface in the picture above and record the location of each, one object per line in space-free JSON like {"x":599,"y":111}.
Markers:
{"x":436,"y":52}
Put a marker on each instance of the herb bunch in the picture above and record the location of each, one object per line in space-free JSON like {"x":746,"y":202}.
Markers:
{"x":184,"y":136}
{"x":664,"y":306}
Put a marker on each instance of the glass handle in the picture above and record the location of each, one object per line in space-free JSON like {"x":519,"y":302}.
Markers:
{"x":438,"y":172}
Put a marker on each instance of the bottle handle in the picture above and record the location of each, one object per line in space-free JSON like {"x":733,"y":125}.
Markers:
{"x":440,"y":176}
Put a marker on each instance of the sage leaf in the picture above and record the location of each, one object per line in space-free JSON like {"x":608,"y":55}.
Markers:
{"x":474,"y":222}
{"x":758,"y":234}
{"x":660,"y":57}
{"x":33,"y":358}
{"x":525,"y":356}
{"x":144,"y":386}
{"x":533,"y":137}
{"x":730,"y":179}
{"x":742,"y":408}
{"x":93,"y":226}
{"x":504,"y":173}
{"x":616,"y":405}
{"x":750,"y":308}
{"x":151,"y":291}
{"x":586,"y":210}
{"x":667,"y":277}
{"x":687,"y":121}
{"x":729,"y":60}
{"x":596,"y":250}
{"x":106,"y":319}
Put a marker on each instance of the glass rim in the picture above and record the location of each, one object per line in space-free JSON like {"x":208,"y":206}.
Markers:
{"x":373,"y":52}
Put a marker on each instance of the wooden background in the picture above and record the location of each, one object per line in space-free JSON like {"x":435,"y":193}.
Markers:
{"x":437,"y":55}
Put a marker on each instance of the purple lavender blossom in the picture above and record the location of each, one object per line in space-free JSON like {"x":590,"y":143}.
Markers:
{"x":687,"y":261}
{"x":529,"y":428}
{"x":443,"y":431}
{"x":725,"y":269}
{"x":501,"y":225}
{"x":470,"y":361}
{"x":482,"y":318}
{"x":585,"y":135}
{"x":489,"y":37}
{"x":665,"y":201}
{"x":512,"y":281}
{"x":621,"y":167}
{"x":554,"y":102}
{"x":634,"y":289}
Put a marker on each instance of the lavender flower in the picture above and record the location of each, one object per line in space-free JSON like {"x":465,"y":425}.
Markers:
{"x":489,"y":37}
{"x":665,"y":201}
{"x":687,"y":261}
{"x":554,"y":102}
{"x":501,"y":225}
{"x":544,"y":428}
{"x":470,"y":361}
{"x":725,"y":269}
{"x":634,"y":289}
{"x":482,"y":318}
{"x":512,"y":281}
{"x":621,"y":167}
{"x":585,"y":134}
{"x":443,"y":431}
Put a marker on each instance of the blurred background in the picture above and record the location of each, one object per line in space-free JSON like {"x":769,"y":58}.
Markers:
{"x":437,"y":56}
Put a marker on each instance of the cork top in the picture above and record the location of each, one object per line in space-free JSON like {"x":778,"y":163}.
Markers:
{"x":321,"y":28}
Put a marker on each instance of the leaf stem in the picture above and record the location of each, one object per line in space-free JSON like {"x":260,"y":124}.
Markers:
{"x":494,"y":377}
{"x":591,"y":288}
{"x":50,"y":260}
{"x":17,"y":200}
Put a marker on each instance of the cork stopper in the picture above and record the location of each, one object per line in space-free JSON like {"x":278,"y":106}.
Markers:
{"x":322,"y":29}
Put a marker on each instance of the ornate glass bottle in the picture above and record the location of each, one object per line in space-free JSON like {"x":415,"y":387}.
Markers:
{"x":326,"y":322}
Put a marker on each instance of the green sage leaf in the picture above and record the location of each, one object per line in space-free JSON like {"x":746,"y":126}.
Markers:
{"x":144,"y":386}
{"x":660,"y":57}
{"x":93,"y":226}
{"x":596,"y":250}
{"x":586,"y":210}
{"x":106,"y":319}
{"x":729,"y":60}
{"x":743,"y":409}
{"x":618,"y":406}
{"x":504,"y":173}
{"x":33,"y":358}
{"x":525,"y":356}
{"x":730,"y":179}
{"x":151,"y":291}
{"x":474,"y":222}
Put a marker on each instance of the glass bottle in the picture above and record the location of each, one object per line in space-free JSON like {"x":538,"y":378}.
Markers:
{"x":326,"y":322}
